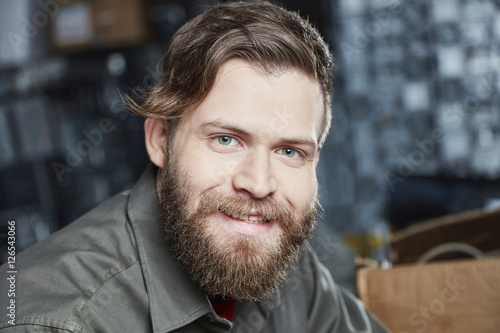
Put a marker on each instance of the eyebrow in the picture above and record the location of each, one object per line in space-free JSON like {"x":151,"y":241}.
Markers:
{"x":300,"y":140}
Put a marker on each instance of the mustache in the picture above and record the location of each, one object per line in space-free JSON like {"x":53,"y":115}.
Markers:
{"x":269,"y":208}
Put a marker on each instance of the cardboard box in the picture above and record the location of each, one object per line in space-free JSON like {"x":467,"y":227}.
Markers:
{"x":455,"y":296}
{"x":477,"y":228}
{"x":87,"y":24}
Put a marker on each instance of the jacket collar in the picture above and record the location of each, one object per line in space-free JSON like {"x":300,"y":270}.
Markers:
{"x":173,"y":299}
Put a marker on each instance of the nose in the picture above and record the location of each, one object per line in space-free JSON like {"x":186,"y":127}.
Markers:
{"x":255,"y":175}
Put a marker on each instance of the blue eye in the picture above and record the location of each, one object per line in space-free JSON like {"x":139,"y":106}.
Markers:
{"x":226,"y":140}
{"x":289,"y":152}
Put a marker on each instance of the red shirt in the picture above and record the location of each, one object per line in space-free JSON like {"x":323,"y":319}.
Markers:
{"x":224,"y":309}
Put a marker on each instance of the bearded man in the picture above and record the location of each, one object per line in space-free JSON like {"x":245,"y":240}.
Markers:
{"x":213,"y":237}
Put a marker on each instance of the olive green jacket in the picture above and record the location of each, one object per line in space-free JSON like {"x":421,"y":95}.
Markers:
{"x":112,"y":271}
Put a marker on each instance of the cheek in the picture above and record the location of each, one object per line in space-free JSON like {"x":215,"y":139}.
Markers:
{"x":300,"y":189}
{"x":204,"y":170}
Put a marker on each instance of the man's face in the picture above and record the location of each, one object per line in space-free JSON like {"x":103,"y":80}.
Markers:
{"x":239,"y":189}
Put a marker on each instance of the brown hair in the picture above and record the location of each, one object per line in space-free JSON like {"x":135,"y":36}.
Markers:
{"x":259,"y":32}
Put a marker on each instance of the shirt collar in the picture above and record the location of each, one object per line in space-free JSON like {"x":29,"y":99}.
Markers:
{"x":173,"y":299}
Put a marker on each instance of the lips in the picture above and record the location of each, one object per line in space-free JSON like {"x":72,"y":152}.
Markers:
{"x":247,"y":221}
{"x":249,"y":218}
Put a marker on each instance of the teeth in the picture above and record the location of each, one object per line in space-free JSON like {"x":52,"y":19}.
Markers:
{"x":250,"y":218}
{"x":255,"y":219}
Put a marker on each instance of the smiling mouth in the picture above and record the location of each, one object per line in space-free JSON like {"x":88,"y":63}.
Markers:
{"x":258,"y":219}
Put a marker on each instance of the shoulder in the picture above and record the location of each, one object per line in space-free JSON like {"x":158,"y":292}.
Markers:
{"x":318,"y":303}
{"x":75,"y":270}
{"x":309,"y":278}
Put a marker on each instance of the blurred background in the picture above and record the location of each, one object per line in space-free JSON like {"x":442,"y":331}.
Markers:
{"x":415,"y":134}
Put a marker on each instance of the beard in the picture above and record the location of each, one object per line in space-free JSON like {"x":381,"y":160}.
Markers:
{"x":225,"y":264}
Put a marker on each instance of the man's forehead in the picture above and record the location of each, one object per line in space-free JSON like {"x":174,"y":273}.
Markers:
{"x":267,"y":70}
{"x":280,"y":101}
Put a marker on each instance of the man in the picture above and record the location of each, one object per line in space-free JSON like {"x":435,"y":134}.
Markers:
{"x":213,"y":236}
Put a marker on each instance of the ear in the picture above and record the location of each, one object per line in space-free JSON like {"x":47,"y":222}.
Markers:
{"x":156,"y":131}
